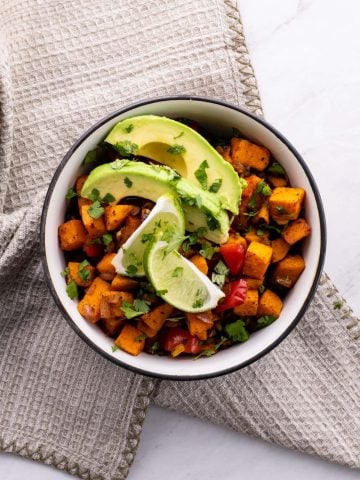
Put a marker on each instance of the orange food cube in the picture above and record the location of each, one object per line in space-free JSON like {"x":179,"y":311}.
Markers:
{"x":269,"y":304}
{"x":131,"y":340}
{"x":112,"y":325}
{"x":105,"y":265}
{"x":89,"y":306}
{"x":249,"y":154}
{"x":131,"y":224}
{"x":200,"y":323}
{"x":115,"y":215}
{"x":253,"y":283}
{"x":156,"y":318}
{"x":238,"y":239}
{"x":225,"y":153}
{"x":200,"y":263}
{"x":149,"y":332}
{"x":250,"y":305}
{"x":288,"y":270}
{"x":94,"y":226}
{"x":123,"y":284}
{"x":72,"y":235}
{"x":285,"y":204}
{"x":74,"y":274}
{"x":111,"y":303}
{"x":252,"y":236}
{"x":257,"y":260}
{"x":277,"y":181}
{"x":280,"y":249}
{"x":296,"y":231}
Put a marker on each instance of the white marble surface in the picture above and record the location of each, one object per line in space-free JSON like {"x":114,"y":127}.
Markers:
{"x":306,"y":58}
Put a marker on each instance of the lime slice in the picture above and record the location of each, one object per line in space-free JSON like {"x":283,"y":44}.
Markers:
{"x":168,"y":217}
{"x":178,"y":281}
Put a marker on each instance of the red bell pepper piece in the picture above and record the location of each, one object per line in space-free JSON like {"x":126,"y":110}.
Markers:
{"x":235,"y":296}
{"x":234,"y":256}
{"x":93,"y":250}
{"x":172,"y":337}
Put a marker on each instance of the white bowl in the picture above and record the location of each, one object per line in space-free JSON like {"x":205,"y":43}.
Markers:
{"x":219,"y":117}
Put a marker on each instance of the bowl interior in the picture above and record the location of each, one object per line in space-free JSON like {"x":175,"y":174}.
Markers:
{"x":220,"y":118}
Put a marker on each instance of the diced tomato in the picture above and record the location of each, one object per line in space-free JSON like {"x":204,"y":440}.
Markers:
{"x":235,"y":296}
{"x":171,"y":337}
{"x":93,"y":250}
{"x":234,"y":256}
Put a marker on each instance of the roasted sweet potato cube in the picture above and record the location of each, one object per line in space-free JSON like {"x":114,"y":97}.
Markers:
{"x":123,"y":284}
{"x":105,"y":265}
{"x":111,"y":303}
{"x":156,"y":318}
{"x":288,"y":270}
{"x":249,"y":154}
{"x":238,"y":239}
{"x":269,"y":304}
{"x":257,"y":260}
{"x":254,"y":283}
{"x":280,"y":249}
{"x":200,"y":263}
{"x":83,"y":279}
{"x":277,"y":181}
{"x":285,"y":204}
{"x":252,"y":236}
{"x":296,"y":231}
{"x":263,"y":214}
{"x":200,"y":323}
{"x":149,"y":332}
{"x":250,"y":305}
{"x":252,"y":182}
{"x":94,"y":226}
{"x":112,"y":325}
{"x":131,"y":224}
{"x":115,"y":215}
{"x":72,"y":235}
{"x":131,"y":340}
{"x":89,"y":306}
{"x":225,"y":153}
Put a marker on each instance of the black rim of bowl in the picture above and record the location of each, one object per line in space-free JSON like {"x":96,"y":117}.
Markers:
{"x":311,"y":291}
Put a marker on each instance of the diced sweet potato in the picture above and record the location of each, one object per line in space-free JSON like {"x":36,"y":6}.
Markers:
{"x":131,"y":340}
{"x":254,"y":283}
{"x":224,"y":152}
{"x":89,"y":306}
{"x":200,"y":263}
{"x":277,"y":181}
{"x":285,"y":204}
{"x":257,"y":260}
{"x":72,"y":235}
{"x":81,"y":281}
{"x":238,"y":239}
{"x":115,"y":215}
{"x":252,"y":236}
{"x":94,"y":226}
{"x":111,"y":302}
{"x":123,"y":284}
{"x":105,"y":265}
{"x":252,"y":182}
{"x":280,"y":249}
{"x":263,"y":213}
{"x":250,"y":305}
{"x":249,"y":154}
{"x":156,"y":318}
{"x":288,"y":270}
{"x":131,"y":224}
{"x":200,"y":323}
{"x":269,"y":304}
{"x":112,"y":325}
{"x":296,"y":231}
{"x":79,"y":183}
{"x":149,"y":332}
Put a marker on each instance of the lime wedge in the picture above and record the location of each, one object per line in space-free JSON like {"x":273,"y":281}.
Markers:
{"x":177,"y":280}
{"x":167,"y":216}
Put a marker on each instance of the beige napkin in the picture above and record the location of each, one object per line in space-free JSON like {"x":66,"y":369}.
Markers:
{"x":64,"y":65}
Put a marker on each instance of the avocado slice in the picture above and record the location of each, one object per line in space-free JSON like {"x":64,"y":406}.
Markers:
{"x":182,"y":148}
{"x":124,"y":178}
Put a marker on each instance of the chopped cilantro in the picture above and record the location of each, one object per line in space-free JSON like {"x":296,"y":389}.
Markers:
{"x":72,"y":290}
{"x":132,"y":310}
{"x":83,"y":272}
{"x":208,"y":352}
{"x":131,"y":270}
{"x":219,"y":273}
{"x":128,"y":182}
{"x":70,"y":193}
{"x":176,"y":149}
{"x":207,"y":250}
{"x":154,"y":347}
{"x":129,"y":128}
{"x":114,"y":348}
{"x":198,"y":303}
{"x":161,"y":292}
{"x":147,"y":237}
{"x":201,"y":174}
{"x":261,"y":289}
{"x":107,"y":239}
{"x":140,"y":337}
{"x":338,"y":305}
{"x":198,"y":201}
{"x":118,"y":164}
{"x":178,"y":136}
{"x":212,"y":222}
{"x":177,"y":272}
{"x":277,"y":169}
{"x":237,"y":331}
{"x":94,"y":195}
{"x":90,"y":157}
{"x":168,"y":234}
{"x":108,"y":198}
{"x":215,"y":186}
{"x":260,"y":232}
{"x":280,"y":209}
{"x":265,"y":320}
{"x":263,"y":189}
{"x":96,"y":210}
{"x":197,"y":234}
{"x":126,"y":148}
{"x":271,"y":227}
{"x":65,"y":272}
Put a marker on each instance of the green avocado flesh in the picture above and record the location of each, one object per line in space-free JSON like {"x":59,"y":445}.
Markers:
{"x":125,"y":178}
{"x":183,"y":149}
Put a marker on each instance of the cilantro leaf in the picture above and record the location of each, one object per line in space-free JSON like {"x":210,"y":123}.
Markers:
{"x":219,"y":274}
{"x":178,"y":272}
{"x":107,"y":239}
{"x":280,"y":209}
{"x":212,"y":222}
{"x":237,"y":331}
{"x":65,"y":272}
{"x":129,"y":128}
{"x":114,"y":348}
{"x":128,"y":182}
{"x":178,"y":136}
{"x":207,"y":250}
{"x":132,"y":310}
{"x":265,"y":320}
{"x":126,"y":148}
{"x":94,"y":195}
{"x":199,"y":299}
{"x":83,"y":272}
{"x":176,"y":149}
{"x":140,"y":337}
{"x":96,"y":210}
{"x":201,"y":174}
{"x":215,"y":186}
{"x":263,"y":189}
{"x":131,"y":270}
{"x":118,"y":164}
{"x":277,"y":169}
{"x":161,"y":292}
{"x":338,"y":305}
{"x":90,"y":157}
{"x":72,"y":290}
{"x":108,"y":198}
{"x":70,"y":193}
{"x":147,"y":237}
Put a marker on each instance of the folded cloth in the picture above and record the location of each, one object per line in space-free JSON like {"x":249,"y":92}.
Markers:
{"x":64,"y":65}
